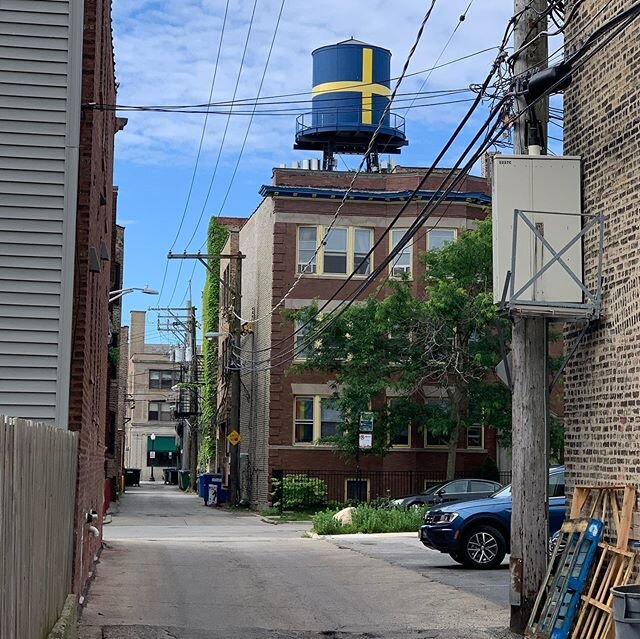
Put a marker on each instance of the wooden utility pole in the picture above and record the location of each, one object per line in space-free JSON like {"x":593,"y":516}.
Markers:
{"x":235,"y":325}
{"x":193,"y":397}
{"x":529,"y":519}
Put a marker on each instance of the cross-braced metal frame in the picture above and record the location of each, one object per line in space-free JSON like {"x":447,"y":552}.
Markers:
{"x":590,"y":308}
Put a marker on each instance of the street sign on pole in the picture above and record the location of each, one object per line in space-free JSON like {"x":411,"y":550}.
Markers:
{"x":152,"y":454}
{"x":365,"y":440}
{"x":234,"y":438}
{"x":366,"y":422}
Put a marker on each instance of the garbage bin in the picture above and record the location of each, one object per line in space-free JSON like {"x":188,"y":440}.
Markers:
{"x":132,"y":476}
{"x":170,"y":475}
{"x":626,"y":611}
{"x":204,"y":479}
{"x":216,"y":494}
{"x":184,"y":479}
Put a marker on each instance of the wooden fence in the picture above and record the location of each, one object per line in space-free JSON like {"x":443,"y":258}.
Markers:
{"x":37,"y":493}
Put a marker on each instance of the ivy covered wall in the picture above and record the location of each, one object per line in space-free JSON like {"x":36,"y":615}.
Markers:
{"x":216,"y":237}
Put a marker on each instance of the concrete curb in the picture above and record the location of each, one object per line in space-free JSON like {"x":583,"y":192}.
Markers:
{"x":65,"y":627}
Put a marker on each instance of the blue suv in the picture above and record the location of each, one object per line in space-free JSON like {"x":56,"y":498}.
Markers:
{"x":477,"y":533}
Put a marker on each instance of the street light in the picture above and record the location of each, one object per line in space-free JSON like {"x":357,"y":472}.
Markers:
{"x":153,"y":455}
{"x":117,"y":294}
{"x":213,"y":335}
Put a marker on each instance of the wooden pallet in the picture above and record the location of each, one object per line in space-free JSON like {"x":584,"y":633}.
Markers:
{"x":614,"y":564}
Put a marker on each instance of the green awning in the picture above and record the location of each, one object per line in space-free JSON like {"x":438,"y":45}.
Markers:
{"x":162,"y":444}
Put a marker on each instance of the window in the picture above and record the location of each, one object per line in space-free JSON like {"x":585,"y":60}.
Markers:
{"x":330,"y":417}
{"x":475,"y":436}
{"x":160,"y":412}
{"x":357,"y":490}
{"x":344,"y":251}
{"x":303,"y":348}
{"x":556,"y":485}
{"x":361,"y":246}
{"x":482,"y":486}
{"x":455,"y":487}
{"x":315,"y":418}
{"x":335,"y":252}
{"x":304,"y":420}
{"x":439,"y":237}
{"x":402,"y":434}
{"x":402,"y":263}
{"x":162,"y":379}
{"x":430,"y":438}
{"x":307,"y":244}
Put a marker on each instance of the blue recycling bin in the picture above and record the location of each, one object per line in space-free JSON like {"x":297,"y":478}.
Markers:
{"x":204,"y":480}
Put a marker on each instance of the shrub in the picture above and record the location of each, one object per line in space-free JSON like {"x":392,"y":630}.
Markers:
{"x":299,"y":491}
{"x":368,"y":519}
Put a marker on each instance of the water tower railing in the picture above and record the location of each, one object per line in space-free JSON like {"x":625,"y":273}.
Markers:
{"x":337,"y":119}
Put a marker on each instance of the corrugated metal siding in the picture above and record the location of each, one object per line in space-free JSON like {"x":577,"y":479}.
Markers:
{"x":40,"y":62}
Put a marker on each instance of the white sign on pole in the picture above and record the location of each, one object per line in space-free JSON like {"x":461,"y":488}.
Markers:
{"x":152,"y":454}
{"x":365,"y":440}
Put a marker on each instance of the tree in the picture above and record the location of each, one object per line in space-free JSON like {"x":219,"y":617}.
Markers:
{"x":445,"y":337}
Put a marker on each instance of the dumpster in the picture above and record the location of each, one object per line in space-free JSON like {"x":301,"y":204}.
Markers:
{"x":204,"y":479}
{"x":170,"y":476}
{"x":626,"y":611}
{"x":216,"y":494}
{"x":132,"y":476}
{"x":184,"y":479}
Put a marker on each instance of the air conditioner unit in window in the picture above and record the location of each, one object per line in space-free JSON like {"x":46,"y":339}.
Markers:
{"x":306,"y":268}
{"x":401,"y":270}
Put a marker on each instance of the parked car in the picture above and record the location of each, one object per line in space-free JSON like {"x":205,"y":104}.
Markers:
{"x":477,"y":533}
{"x":456,"y":490}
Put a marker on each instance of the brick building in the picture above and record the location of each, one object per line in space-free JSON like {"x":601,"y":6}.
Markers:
{"x":92,"y":279}
{"x":57,"y":218}
{"x":602,"y":382}
{"x":151,"y":375}
{"x":283,"y":414}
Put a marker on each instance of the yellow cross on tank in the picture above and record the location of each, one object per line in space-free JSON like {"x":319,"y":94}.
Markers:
{"x":366,"y":87}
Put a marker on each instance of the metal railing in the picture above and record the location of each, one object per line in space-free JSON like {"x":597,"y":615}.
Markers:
{"x":308,"y":489}
{"x":347,"y":119}
{"x":37,"y":495}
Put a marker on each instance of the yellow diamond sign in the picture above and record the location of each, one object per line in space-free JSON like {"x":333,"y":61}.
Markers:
{"x":234,"y":438}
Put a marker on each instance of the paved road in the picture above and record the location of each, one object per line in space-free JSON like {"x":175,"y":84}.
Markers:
{"x":406,"y":551}
{"x":173,"y":569}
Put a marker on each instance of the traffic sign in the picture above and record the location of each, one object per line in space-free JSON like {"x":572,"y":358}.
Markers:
{"x":365,"y":440}
{"x":366,"y":422}
{"x":152,"y":454}
{"x":234,"y":438}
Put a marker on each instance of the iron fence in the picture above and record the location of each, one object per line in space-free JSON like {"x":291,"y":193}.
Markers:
{"x":306,"y":489}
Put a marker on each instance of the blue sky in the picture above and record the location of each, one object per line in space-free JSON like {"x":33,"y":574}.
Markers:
{"x":165,"y":54}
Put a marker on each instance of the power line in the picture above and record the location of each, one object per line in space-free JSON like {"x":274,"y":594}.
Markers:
{"x":195,"y":168}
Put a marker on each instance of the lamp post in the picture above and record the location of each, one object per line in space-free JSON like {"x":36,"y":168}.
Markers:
{"x":117,"y":294}
{"x":153,"y":455}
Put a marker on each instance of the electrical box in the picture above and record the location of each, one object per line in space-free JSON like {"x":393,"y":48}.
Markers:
{"x":537,"y":213}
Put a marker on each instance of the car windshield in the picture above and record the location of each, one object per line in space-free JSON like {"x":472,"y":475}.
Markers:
{"x":433,"y":489}
{"x":503,"y":492}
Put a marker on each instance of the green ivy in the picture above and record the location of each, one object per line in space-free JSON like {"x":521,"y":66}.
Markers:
{"x":217,"y":235}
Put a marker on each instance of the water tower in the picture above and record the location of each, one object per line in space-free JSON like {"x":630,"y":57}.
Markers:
{"x":350,"y":94}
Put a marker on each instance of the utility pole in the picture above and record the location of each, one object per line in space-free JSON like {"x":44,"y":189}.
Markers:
{"x":235,"y":325}
{"x":193,"y":396}
{"x":235,"y":328}
{"x":529,"y":519}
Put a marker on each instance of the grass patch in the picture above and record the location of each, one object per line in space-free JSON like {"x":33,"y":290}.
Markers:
{"x":291,"y":515}
{"x":368,"y":519}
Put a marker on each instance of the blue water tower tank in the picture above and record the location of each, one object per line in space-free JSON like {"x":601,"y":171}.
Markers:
{"x":351,"y":89}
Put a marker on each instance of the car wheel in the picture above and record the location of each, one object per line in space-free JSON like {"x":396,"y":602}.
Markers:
{"x":456,"y":557}
{"x":483,"y":547}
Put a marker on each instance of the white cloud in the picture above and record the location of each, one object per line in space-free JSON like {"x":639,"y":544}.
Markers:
{"x":165,"y":54}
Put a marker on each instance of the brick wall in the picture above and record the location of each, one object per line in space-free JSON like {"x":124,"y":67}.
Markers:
{"x":602,"y":385}
{"x":88,"y":396}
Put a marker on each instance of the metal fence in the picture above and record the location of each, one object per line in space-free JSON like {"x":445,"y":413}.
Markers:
{"x":301,"y":489}
{"x":37,"y":493}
